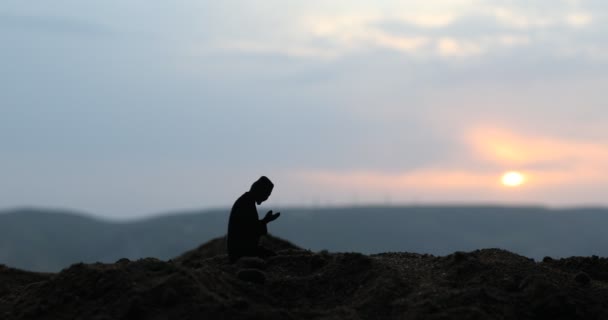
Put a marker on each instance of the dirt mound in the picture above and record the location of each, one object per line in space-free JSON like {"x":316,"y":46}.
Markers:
{"x":594,"y":266}
{"x":300,"y":284}
{"x":217,"y":247}
{"x":13,"y":280}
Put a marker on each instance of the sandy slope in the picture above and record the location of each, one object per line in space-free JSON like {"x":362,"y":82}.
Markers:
{"x":299,"y":284}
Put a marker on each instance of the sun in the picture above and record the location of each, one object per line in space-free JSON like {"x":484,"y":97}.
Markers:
{"x":513,"y":179}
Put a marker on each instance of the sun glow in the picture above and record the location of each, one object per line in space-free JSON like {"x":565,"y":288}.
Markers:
{"x":513,"y":179}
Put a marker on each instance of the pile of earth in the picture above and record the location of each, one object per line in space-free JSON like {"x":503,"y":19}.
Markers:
{"x":300,"y":284}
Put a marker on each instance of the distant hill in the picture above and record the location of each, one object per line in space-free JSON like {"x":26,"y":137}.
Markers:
{"x":47,"y":240}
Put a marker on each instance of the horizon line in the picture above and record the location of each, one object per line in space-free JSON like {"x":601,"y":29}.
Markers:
{"x":187,"y":211}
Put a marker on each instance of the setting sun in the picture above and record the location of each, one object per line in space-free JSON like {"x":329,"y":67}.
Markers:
{"x":513,"y":179}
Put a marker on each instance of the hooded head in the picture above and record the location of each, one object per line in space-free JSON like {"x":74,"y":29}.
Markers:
{"x":261,"y":189}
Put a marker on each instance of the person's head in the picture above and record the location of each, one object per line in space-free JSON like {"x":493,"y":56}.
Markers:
{"x":261,"y":189}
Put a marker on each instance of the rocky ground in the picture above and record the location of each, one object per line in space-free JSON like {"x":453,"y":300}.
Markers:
{"x":300,"y":284}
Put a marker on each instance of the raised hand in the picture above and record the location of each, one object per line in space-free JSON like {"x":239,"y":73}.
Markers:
{"x":270,"y":216}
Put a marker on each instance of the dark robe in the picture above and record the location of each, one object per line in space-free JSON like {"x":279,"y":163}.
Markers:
{"x":244,"y":228}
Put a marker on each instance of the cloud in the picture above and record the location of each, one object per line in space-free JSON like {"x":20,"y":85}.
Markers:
{"x":548,"y":160}
{"x":453,"y":47}
{"x":357,"y":32}
{"x":290,"y":50}
{"x":467,"y":30}
{"x":520,"y":20}
{"x":425,"y":179}
{"x":372,"y":96}
{"x":548,"y":163}
{"x":436,"y":20}
{"x":579,"y":19}
{"x":51,"y":24}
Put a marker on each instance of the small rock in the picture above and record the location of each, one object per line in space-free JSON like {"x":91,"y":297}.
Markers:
{"x":509,"y":284}
{"x":240,"y":304}
{"x":169,"y":297}
{"x":251,"y":263}
{"x":582,"y":278}
{"x":251,"y":275}
{"x":317,"y":262}
{"x":547,"y":259}
{"x":136,"y":308}
{"x":459,"y":256}
{"x":536,"y":286}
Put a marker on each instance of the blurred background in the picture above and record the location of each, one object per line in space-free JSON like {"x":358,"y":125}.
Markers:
{"x":126,"y":110}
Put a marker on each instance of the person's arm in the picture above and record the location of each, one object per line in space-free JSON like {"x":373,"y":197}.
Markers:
{"x":263,"y":227}
{"x":270,"y":217}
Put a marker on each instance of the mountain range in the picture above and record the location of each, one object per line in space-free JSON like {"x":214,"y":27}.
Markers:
{"x":50,"y":240}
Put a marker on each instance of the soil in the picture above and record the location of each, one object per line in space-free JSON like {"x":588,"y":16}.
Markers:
{"x":300,"y":284}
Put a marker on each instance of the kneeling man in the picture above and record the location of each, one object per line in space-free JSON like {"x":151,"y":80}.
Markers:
{"x":244,"y":227}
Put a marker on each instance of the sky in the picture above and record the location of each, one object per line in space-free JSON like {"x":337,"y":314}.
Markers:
{"x":129,"y":108}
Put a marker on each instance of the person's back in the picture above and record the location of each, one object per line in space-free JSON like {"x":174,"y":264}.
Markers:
{"x":244,"y":226}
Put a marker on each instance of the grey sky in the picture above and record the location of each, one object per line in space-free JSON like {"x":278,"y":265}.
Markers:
{"x":127,"y":108}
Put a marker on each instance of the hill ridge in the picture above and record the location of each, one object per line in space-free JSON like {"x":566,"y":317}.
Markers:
{"x":49,"y":242}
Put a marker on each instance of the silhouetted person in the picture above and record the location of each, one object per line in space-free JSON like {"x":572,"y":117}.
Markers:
{"x":244,"y":226}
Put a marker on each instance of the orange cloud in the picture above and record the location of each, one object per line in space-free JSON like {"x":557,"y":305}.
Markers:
{"x":420,"y":179}
{"x":548,"y":161}
{"x":545,"y":162}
